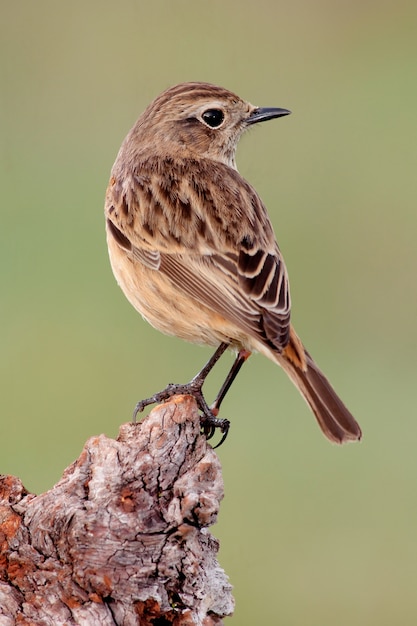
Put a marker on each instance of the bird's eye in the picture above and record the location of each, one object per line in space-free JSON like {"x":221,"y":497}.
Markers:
{"x":213,"y":117}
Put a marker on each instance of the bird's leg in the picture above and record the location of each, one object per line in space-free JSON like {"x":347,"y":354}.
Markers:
{"x":209,"y":421}
{"x":242,"y":356}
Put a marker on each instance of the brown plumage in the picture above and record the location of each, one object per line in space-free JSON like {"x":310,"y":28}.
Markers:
{"x":191,"y":243}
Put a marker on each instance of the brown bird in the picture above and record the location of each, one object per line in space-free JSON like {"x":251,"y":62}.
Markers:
{"x":193,"y":249}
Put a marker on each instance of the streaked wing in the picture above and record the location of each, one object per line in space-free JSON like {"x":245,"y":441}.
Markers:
{"x":204,"y":227}
{"x":150,"y":258}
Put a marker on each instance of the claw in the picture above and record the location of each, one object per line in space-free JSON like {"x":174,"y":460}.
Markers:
{"x":223,"y":439}
{"x":209,"y":424}
{"x":168,"y":392}
{"x":209,"y":420}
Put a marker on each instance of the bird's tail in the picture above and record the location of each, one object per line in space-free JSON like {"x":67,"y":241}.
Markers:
{"x":335,"y":420}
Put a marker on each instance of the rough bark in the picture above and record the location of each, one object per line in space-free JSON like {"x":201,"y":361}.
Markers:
{"x":122,"y":538}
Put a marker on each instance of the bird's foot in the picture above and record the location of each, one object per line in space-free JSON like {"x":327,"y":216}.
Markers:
{"x":208,"y":420}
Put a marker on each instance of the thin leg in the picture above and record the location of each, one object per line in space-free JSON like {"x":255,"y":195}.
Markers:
{"x":242,"y":356}
{"x":205,"y":371}
{"x":209,"y":421}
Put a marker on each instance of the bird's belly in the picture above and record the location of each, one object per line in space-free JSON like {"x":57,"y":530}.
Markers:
{"x":165,"y":306}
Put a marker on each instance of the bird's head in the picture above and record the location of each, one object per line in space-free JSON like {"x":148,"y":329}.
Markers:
{"x":196,"y":120}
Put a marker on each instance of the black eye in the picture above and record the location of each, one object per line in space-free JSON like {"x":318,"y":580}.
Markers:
{"x":213,"y":117}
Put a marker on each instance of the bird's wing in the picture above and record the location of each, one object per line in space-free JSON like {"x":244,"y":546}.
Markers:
{"x":206,"y":229}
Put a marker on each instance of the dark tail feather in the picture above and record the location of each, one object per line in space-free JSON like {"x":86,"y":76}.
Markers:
{"x":335,"y":420}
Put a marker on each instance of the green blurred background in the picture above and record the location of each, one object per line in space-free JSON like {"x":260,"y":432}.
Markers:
{"x":310,"y":533}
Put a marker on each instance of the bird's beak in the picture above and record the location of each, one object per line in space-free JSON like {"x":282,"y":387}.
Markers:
{"x":261,"y":114}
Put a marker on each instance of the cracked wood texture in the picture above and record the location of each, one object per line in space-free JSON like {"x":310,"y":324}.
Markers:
{"x":122,"y":538}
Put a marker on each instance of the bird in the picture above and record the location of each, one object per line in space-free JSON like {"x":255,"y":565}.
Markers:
{"x":193,"y":249}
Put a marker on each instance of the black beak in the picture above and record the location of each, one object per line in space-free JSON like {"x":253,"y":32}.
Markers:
{"x":265,"y":113}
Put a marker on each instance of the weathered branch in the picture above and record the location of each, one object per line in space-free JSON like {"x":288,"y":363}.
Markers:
{"x":122,"y":538}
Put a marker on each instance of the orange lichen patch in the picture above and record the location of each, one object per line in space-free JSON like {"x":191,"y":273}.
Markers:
{"x":3,"y":566}
{"x":148,"y":610}
{"x":9,"y":524}
{"x":127,"y":500}
{"x":184,"y":530}
{"x":108,"y":584}
{"x":181,"y":408}
{"x":94,"y":597}
{"x":18,"y":572}
{"x":185,"y":619}
{"x":6,"y":486}
{"x":72,"y":603}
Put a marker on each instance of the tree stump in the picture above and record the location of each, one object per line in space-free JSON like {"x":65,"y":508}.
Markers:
{"x":122,"y":538}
